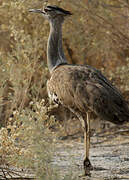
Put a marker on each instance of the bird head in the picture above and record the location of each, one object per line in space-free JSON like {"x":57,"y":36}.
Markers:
{"x":52,"y":12}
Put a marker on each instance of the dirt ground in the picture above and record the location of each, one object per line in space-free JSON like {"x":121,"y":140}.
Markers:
{"x":109,"y":155}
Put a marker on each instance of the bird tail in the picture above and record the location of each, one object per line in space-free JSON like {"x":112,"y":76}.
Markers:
{"x":117,"y":112}
{"x":121,"y":115}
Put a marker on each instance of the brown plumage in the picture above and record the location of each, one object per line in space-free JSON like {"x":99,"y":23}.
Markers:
{"x":82,"y":89}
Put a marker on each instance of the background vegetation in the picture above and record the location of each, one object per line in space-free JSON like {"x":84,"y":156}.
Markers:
{"x":96,"y":34}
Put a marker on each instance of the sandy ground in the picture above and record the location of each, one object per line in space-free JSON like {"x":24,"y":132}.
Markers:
{"x":109,"y":155}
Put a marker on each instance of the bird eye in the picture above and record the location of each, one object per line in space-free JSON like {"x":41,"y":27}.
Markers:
{"x":47,"y":10}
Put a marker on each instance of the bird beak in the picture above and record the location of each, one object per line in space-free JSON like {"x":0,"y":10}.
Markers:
{"x":37,"y":11}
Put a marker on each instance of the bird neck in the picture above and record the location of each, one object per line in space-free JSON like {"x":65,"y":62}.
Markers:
{"x":55,"y":53}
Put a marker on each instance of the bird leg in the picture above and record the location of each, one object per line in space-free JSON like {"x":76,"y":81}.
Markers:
{"x":85,"y":122}
{"x":87,"y":164}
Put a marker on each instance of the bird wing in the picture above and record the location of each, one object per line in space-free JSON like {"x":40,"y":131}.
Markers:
{"x":84,"y":88}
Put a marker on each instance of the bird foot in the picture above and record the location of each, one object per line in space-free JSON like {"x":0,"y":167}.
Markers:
{"x":87,"y":167}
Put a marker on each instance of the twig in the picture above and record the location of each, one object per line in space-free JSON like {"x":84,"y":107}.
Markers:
{"x":13,"y":172}
{"x":4,"y":174}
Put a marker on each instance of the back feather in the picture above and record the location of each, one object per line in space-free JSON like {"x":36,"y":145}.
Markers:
{"x":84,"y":88}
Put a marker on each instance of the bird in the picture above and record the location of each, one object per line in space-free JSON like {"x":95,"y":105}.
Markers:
{"x":82,"y":89}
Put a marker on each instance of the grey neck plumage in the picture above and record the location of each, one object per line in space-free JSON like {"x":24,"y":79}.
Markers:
{"x":55,"y":54}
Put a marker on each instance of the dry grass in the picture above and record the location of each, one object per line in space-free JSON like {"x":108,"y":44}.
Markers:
{"x":102,"y":41}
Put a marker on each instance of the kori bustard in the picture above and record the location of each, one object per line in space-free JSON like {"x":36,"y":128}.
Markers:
{"x":82,"y":89}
